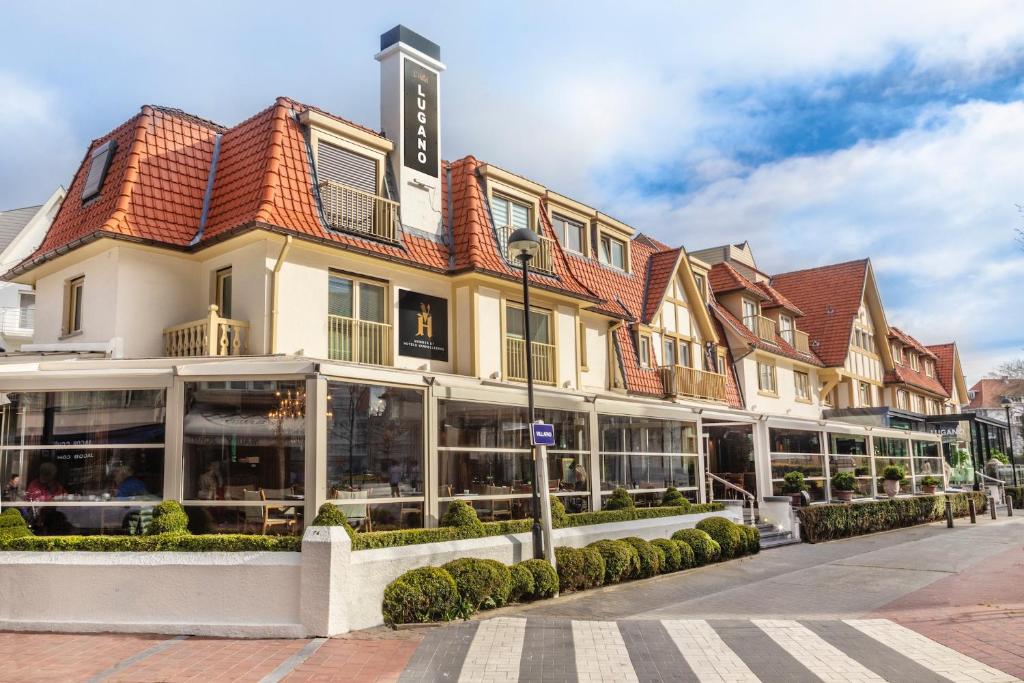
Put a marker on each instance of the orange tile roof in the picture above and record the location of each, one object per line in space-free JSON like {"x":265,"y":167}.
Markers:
{"x":776,"y":299}
{"x":945,"y":355}
{"x":778,"y":345}
{"x":830,"y":298}
{"x":907,"y":340}
{"x":660,"y":269}
{"x":723,"y":279}
{"x":989,"y":392}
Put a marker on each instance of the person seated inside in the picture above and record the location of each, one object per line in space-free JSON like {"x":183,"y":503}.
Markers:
{"x":45,"y":486}
{"x":12,"y":491}
{"x":210,"y":483}
{"x":128,"y":485}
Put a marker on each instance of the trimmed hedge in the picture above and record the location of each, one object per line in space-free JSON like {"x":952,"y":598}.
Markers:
{"x":545,"y":579}
{"x":705,"y":549}
{"x":593,"y":567}
{"x":12,"y":525}
{"x":421,"y":595}
{"x":162,"y":542}
{"x":687,"y":559}
{"x":522,"y":582}
{"x":482,"y":584}
{"x":571,"y":564}
{"x":727,"y":534}
{"x":620,"y":559}
{"x":670,"y":551}
{"x":673,"y":498}
{"x":619,"y":500}
{"x":330,"y":514}
{"x":461,"y":514}
{"x":168,"y":518}
{"x":648,"y":560}
{"x":752,"y":538}
{"x":827,"y":522}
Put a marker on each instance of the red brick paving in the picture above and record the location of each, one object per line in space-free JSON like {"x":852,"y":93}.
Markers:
{"x":31,"y":657}
{"x":353,"y":660}
{"x":979,"y":612}
{"x":212,"y":659}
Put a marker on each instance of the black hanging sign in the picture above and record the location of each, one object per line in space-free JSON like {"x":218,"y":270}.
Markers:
{"x":422,"y":326}
{"x":420,"y":119}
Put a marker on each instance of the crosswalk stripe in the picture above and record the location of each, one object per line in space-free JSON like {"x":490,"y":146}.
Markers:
{"x":706,"y":653}
{"x":933,"y":656}
{"x":601,"y":654}
{"x":822,"y":658}
{"x":495,"y":651}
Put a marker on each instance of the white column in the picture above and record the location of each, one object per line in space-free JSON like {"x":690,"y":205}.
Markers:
{"x":173,"y":439}
{"x":316,"y":445}
{"x":594,"y":461}
{"x":431,"y":464}
{"x":702,"y":481}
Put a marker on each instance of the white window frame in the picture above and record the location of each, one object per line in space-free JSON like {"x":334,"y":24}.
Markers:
{"x":561,"y":223}
{"x":644,"y":350}
{"x":802,"y":389}
{"x":773,"y":389}
{"x":74,"y":303}
{"x":605,"y":255}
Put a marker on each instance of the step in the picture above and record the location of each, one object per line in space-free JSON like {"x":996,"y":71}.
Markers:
{"x":779,"y":541}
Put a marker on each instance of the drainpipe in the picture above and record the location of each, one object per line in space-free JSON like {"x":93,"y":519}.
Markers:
{"x":273,"y":293}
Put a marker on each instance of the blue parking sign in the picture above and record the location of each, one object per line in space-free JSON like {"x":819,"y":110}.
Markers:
{"x":542,"y":434}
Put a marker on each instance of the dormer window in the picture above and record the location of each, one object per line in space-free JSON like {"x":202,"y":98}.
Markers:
{"x":613,"y":252}
{"x":914,"y":362}
{"x":699,"y":279}
{"x":897,"y":354}
{"x":929,"y":368}
{"x":509,"y":213}
{"x":570,"y":233}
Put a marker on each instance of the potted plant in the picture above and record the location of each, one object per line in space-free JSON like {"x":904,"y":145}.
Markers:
{"x":793,"y":484}
{"x":928,"y":485}
{"x":843,"y":485}
{"x":892,"y":475}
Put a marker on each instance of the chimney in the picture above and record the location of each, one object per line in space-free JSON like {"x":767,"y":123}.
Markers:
{"x":410,"y":115}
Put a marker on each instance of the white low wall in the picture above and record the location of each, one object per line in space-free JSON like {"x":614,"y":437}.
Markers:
{"x":325,"y":590}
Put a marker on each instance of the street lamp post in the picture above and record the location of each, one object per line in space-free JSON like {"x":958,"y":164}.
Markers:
{"x":523,"y":243}
{"x":1007,"y":402}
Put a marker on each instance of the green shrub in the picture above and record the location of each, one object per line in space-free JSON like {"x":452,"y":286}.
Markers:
{"x":930,"y":481}
{"x":461,"y":514}
{"x":545,"y":579}
{"x":705,"y":549}
{"x":12,"y":525}
{"x":1017,"y":493}
{"x":686,"y":556}
{"x":844,"y":481}
{"x":330,"y":514}
{"x":521,"y":582}
{"x":894,"y":473}
{"x":793,"y":482}
{"x":421,"y":595}
{"x":673,"y":498}
{"x":620,"y":559}
{"x":648,"y":560}
{"x":826,"y":522}
{"x":726,"y":533}
{"x":503,"y":592}
{"x":559,"y":517}
{"x":619,"y":500}
{"x":670,"y":551}
{"x":481,"y":584}
{"x":662,"y":561}
{"x":593,"y":567}
{"x":571,"y":564}
{"x":168,"y":518}
{"x":222,"y":543}
{"x":753,"y":539}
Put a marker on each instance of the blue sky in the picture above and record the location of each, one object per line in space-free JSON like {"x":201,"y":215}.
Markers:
{"x":820,"y":132}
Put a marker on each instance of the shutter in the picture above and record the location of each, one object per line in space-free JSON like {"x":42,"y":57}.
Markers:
{"x":347,"y":168}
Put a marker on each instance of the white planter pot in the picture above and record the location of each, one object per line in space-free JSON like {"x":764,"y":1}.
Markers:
{"x":891,"y":487}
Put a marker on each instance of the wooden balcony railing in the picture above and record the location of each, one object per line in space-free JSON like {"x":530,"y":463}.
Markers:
{"x":543,"y":260}
{"x":211,"y":336}
{"x":362,"y":213}
{"x":683,"y":381}
{"x":797,"y":339}
{"x":358,"y":341}
{"x":543,"y":360}
{"x":761,"y":326}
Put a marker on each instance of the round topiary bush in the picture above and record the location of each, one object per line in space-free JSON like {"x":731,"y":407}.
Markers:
{"x":619,"y":500}
{"x":559,"y":517}
{"x":571,"y":564}
{"x":545,"y":579}
{"x":480,"y":583}
{"x":421,"y":595}
{"x":461,"y":514}
{"x":503,"y":591}
{"x":330,"y":514}
{"x":662,"y":562}
{"x":670,"y":551}
{"x":673,"y":498}
{"x":620,"y":559}
{"x":12,"y":525}
{"x":168,"y":518}
{"x":593,"y":567}
{"x":649,"y":563}
{"x":521,"y":583}
{"x":705,"y":549}
{"x":753,"y":538}
{"x":687,"y":559}
{"x":727,"y":533}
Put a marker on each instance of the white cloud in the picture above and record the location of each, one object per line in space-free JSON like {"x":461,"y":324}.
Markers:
{"x":39,"y":148}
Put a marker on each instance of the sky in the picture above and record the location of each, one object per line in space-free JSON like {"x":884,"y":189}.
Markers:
{"x":820,"y":132}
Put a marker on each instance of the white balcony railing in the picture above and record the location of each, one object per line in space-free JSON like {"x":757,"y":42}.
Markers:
{"x":17,"y":322}
{"x":211,"y":336}
{"x":355,"y":211}
{"x":358,"y":341}
{"x":543,"y":356}
{"x":797,"y":339}
{"x":542,"y":261}
{"x":683,"y":381}
{"x":761,"y":326}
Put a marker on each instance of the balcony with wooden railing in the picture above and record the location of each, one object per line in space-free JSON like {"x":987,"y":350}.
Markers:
{"x":797,"y":339}
{"x":351,"y":210}
{"x":543,"y":260}
{"x":543,"y":356}
{"x":761,"y":326}
{"x":210,"y":336}
{"x":358,"y":341}
{"x":693,"y":383}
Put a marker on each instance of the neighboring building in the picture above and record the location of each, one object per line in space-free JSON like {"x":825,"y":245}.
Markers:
{"x":987,"y":398}
{"x":21,"y":232}
{"x":299,"y":309}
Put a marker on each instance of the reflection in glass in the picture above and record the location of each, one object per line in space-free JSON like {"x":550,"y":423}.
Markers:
{"x":487,"y":425}
{"x":87,"y":474}
{"x":245,"y":519}
{"x":87,"y":520}
{"x":78,"y":418}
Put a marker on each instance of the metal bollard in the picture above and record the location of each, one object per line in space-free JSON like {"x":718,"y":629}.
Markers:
{"x":992,"y":505}
{"x":949,"y":514}
{"x":971,"y":509}
{"x":1009,"y":505}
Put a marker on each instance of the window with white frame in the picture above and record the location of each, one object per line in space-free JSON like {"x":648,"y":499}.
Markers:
{"x":897,"y":353}
{"x":73,"y":306}
{"x":766,"y":377}
{"x":570,"y":233}
{"x":929,"y":367}
{"x":357,"y":321}
{"x":902,"y":399}
{"x":802,"y":385}
{"x":684,"y":353}
{"x":644,"y":350}
{"x":750,"y":313}
{"x":223,"y":292}
{"x":699,"y":280}
{"x":914,"y":363}
{"x":669,"y":357}
{"x":613,"y":252}
{"x":866,"y":392}
{"x":646,"y":455}
{"x":510,"y":213}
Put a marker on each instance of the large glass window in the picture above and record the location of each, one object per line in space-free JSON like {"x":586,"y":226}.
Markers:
{"x":892,"y":451}
{"x":71,"y":459}
{"x":849,"y":453}
{"x":244,"y":441}
{"x":927,"y":461}
{"x":796,"y":450}
{"x":485,"y":458}
{"x":646,"y":455}
{"x":375,"y":445}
